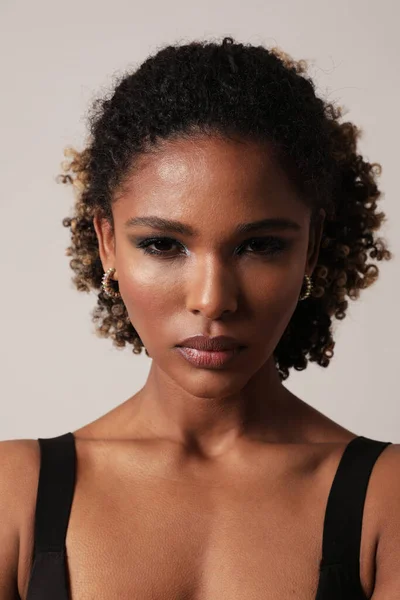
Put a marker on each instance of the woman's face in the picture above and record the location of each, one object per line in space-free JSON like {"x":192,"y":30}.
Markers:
{"x":206,"y":276}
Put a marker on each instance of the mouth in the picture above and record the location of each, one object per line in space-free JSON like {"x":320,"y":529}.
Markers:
{"x":212,"y":359}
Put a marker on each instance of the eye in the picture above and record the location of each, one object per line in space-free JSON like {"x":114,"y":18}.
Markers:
{"x":159,"y":241}
{"x":266,"y":246}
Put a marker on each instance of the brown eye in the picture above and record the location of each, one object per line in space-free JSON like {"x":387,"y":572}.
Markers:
{"x":266,"y":245}
{"x":162,"y":244}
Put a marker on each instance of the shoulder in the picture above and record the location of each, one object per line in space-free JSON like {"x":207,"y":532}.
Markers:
{"x":17,"y":460}
{"x":385,"y":493}
{"x":19,"y":469}
{"x":386,"y":483}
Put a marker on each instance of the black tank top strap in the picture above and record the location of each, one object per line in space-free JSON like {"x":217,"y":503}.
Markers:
{"x":49,"y":574}
{"x":55,"y":492}
{"x":345,"y":507}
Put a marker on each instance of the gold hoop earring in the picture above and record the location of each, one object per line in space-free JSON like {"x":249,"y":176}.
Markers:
{"x":106,"y":285}
{"x":308,"y":291}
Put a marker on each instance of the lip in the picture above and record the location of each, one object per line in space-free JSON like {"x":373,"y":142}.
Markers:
{"x":208,"y":359}
{"x":209,"y":352}
{"x":219,"y":343}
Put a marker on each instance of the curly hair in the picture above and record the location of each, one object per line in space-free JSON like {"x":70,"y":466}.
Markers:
{"x":254,"y":92}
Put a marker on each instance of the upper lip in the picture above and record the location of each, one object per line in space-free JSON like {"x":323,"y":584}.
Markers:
{"x":212,"y":344}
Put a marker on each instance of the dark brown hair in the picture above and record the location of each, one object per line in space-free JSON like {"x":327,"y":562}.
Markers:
{"x":263,"y":94}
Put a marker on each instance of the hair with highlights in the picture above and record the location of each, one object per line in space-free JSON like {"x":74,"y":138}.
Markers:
{"x":261,"y":94}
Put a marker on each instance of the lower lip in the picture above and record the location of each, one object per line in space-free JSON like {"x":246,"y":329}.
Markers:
{"x":205,"y":358}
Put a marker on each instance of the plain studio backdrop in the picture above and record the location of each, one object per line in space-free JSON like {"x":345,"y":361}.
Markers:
{"x":56,"y":57}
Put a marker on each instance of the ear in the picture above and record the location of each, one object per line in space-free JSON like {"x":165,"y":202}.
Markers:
{"x":106,"y":240}
{"x":315,"y":236}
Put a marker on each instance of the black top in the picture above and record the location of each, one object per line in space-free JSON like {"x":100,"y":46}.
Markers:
{"x":339,"y":568}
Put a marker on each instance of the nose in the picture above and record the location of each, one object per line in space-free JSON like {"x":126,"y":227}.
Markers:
{"x":212,"y":290}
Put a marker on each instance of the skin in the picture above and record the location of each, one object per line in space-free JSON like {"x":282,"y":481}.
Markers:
{"x":205,"y":483}
{"x":203,"y":287}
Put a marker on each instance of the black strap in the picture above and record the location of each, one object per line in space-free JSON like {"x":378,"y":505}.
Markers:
{"x":55,"y":492}
{"x":345,"y":506}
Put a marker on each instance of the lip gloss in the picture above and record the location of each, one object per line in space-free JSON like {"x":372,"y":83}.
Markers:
{"x":206,"y":358}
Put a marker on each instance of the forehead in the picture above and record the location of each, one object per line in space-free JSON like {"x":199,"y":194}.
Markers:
{"x":183,"y":177}
{"x":212,"y":159}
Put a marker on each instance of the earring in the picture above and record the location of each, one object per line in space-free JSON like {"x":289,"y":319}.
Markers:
{"x":106,"y":285}
{"x":308,"y":291}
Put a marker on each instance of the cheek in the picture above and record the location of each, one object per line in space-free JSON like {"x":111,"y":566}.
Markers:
{"x":273,"y":297}
{"x":274,"y":302}
{"x":150,"y":296}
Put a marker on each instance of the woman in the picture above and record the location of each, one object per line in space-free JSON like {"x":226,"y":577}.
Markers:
{"x":224,"y":217}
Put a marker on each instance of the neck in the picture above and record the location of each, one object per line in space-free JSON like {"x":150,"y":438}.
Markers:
{"x":211,"y":425}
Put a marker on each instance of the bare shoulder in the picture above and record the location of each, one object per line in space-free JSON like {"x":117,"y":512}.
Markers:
{"x":19,"y":469}
{"x":385,"y":482}
{"x":386,"y":487}
{"x":385,"y":496}
{"x":19,"y":466}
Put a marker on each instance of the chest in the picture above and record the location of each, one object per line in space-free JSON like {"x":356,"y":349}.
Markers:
{"x":179,"y":540}
{"x":151,"y":528}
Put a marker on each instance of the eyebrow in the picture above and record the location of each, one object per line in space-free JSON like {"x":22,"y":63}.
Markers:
{"x":162,"y":224}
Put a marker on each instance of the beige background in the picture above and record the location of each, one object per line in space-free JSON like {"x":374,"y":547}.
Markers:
{"x":56,"y":375}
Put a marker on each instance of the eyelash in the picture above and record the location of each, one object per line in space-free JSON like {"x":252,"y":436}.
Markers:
{"x":276,"y":246}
